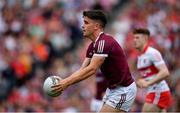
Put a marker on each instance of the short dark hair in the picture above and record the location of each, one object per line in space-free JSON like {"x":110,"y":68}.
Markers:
{"x":141,"y":31}
{"x":98,"y":15}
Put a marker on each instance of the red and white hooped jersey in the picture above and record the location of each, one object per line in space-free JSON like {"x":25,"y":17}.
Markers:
{"x":146,"y":65}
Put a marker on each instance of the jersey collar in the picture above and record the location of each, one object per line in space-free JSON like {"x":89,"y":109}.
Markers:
{"x":97,"y":38}
{"x":145,"y":48}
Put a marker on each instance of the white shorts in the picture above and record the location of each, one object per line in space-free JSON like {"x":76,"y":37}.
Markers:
{"x":121,"y":98}
{"x":96,"y":105}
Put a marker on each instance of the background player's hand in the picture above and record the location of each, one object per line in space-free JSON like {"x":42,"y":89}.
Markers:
{"x":59,"y":87}
{"x":142,"y":83}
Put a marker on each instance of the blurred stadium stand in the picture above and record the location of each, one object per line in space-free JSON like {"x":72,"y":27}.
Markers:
{"x":39,"y":38}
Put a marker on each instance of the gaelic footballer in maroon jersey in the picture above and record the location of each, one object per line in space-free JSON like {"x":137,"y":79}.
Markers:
{"x":115,"y":67}
{"x":106,"y":54}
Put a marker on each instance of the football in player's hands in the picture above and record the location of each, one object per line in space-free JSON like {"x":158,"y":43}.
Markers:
{"x":48,"y":83}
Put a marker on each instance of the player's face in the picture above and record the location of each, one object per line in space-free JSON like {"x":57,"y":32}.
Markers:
{"x":88,"y":27}
{"x":139,"y":41}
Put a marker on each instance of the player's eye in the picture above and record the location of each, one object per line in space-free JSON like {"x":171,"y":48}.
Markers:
{"x":137,"y":37}
{"x":86,"y":22}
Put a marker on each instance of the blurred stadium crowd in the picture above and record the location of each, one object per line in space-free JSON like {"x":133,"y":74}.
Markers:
{"x":40,"y":38}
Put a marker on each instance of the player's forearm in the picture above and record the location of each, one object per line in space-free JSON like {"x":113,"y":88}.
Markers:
{"x":159,"y":77}
{"x":80,"y":75}
{"x":85,"y":63}
{"x":137,"y":79}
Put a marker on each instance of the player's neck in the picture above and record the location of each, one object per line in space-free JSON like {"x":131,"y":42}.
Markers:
{"x":144,"y":48}
{"x":96,"y":35}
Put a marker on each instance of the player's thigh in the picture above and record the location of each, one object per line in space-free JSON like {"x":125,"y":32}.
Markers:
{"x":148,"y":107}
{"x":107,"y":108}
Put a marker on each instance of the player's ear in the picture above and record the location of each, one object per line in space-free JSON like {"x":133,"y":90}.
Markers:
{"x":97,"y":25}
{"x":147,"y":37}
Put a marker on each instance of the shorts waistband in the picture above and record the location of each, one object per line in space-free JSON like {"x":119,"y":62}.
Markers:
{"x":118,"y":85}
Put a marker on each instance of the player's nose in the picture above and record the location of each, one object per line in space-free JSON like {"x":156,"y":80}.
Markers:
{"x":134,"y":39}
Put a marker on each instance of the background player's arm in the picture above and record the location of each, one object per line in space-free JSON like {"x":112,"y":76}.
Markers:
{"x":160,"y":65}
{"x":161,"y":75}
{"x":137,"y":80}
{"x":163,"y":72}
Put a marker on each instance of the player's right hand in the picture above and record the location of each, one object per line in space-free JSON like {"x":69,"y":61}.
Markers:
{"x":59,"y":87}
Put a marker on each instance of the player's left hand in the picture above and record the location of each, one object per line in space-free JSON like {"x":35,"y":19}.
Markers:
{"x":59,"y":87}
{"x":143,"y":83}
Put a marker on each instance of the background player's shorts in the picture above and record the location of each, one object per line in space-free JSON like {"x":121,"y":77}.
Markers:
{"x":96,"y":105}
{"x":121,"y":98}
{"x":162,"y":99}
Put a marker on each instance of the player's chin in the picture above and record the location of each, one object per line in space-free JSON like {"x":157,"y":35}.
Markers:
{"x":136,"y":46}
{"x":85,"y":36}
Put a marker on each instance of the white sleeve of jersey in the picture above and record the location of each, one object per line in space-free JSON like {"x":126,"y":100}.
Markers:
{"x":156,"y":58}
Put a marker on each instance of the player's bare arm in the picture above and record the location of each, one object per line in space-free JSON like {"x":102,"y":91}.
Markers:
{"x":137,"y":81}
{"x":161,"y":75}
{"x":80,"y":75}
{"x":85,"y":63}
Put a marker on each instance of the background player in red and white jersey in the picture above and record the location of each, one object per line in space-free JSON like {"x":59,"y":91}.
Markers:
{"x":105,"y":53}
{"x":154,"y":71}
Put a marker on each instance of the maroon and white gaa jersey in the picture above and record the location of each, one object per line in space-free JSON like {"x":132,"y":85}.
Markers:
{"x":115,"y":67}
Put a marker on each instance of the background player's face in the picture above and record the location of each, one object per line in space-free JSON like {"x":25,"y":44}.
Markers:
{"x":88,"y":27}
{"x":139,"y":41}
